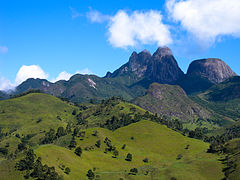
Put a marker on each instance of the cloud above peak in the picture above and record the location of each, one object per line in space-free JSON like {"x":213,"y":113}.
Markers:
{"x":32,"y":71}
{"x":207,"y":20}
{"x":138,"y":28}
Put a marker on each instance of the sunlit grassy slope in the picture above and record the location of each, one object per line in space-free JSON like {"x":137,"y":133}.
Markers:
{"x":144,"y":139}
{"x":34,"y":113}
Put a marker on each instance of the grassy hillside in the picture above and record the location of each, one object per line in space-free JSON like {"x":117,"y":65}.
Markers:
{"x":98,"y":114}
{"x":144,"y":139}
{"x":27,"y":119}
{"x":222,"y":99}
{"x":34,"y":113}
{"x":171,"y":101}
{"x":232,"y":161}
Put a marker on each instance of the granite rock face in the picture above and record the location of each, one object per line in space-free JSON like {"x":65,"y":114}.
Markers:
{"x":163,"y":67}
{"x":137,"y":64}
{"x":160,"y":67}
{"x":215,"y":70}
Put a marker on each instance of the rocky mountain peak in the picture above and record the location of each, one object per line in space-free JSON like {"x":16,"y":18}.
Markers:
{"x":163,"y":51}
{"x":215,"y":70}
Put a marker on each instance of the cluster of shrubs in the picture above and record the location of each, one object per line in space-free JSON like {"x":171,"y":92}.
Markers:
{"x":35,"y":169}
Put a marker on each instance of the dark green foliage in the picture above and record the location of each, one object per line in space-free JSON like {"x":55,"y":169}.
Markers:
{"x":67,"y":170}
{"x":179,"y":157}
{"x":90,"y":174}
{"x":78,"y":151}
{"x":21,"y":147}
{"x":4,"y":151}
{"x":98,"y":143}
{"x":133,"y":171}
{"x":26,"y":93}
{"x":95,"y":133}
{"x":128,"y":157}
{"x":73,"y":143}
{"x":60,"y":132}
{"x":35,"y":169}
{"x":39,"y":120}
{"x":74,"y":112}
{"x":49,"y":137}
{"x":110,"y":147}
{"x":145,"y":160}
{"x":76,"y":131}
{"x":27,"y":162}
{"x":115,"y":153}
{"x":125,"y":119}
{"x":81,"y":120}
{"x":124,"y":146}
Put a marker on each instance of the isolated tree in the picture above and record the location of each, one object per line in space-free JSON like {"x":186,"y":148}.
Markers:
{"x":98,"y":143}
{"x":124,"y":146}
{"x":73,"y":143}
{"x":78,"y":151}
{"x":74,"y":112}
{"x":90,"y":174}
{"x":115,"y":153}
{"x":95,"y":133}
{"x":129,"y":157}
{"x":76,"y":131}
{"x":60,"y":132}
{"x":133,"y":171}
{"x":67,"y":170}
{"x":145,"y":160}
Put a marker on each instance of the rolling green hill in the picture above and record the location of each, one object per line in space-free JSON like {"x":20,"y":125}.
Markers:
{"x":144,"y":139}
{"x":167,"y":153}
{"x":34,"y":113}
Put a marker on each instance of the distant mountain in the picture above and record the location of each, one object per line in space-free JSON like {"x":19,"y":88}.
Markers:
{"x":225,"y":91}
{"x":133,"y":78}
{"x":222,"y":98}
{"x":204,"y":73}
{"x":160,"y":67}
{"x":3,"y":95}
{"x":172,"y":101}
{"x":215,"y":70}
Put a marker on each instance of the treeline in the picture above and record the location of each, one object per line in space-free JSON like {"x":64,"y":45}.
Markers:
{"x":33,"y":167}
{"x":27,"y":92}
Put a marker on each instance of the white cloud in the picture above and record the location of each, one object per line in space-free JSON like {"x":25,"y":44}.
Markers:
{"x":62,"y":76}
{"x":5,"y":84}
{"x":32,"y":71}
{"x":138,"y":28}
{"x":74,"y":13}
{"x":35,"y":71}
{"x":66,"y":76}
{"x":84,"y":71}
{"x":3,"y":49}
{"x":207,"y":19}
{"x":96,"y":16}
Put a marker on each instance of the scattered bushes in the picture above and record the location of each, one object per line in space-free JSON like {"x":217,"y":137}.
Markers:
{"x":129,"y":157}
{"x":78,"y":151}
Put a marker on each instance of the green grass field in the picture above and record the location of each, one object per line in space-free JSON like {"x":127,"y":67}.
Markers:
{"x":151,"y":140}
{"x":24,"y":113}
{"x":144,"y":139}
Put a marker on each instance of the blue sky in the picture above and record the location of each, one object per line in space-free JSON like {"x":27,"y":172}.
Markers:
{"x":43,"y":38}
